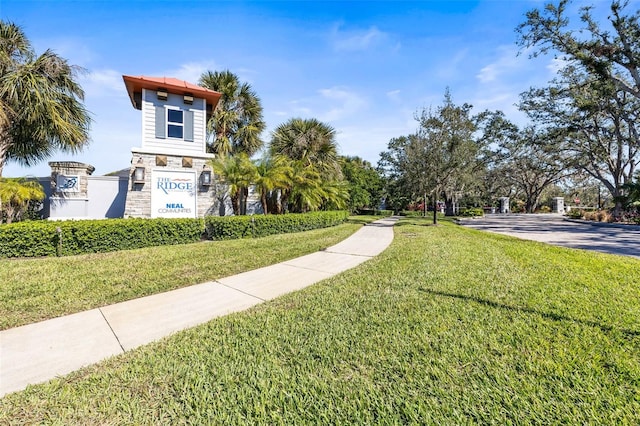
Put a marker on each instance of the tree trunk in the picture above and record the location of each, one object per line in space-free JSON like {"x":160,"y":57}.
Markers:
{"x":424,"y":206}
{"x":9,"y":211}
{"x":263,"y":201}
{"x":245,"y":197}
{"x":273,"y":203}
{"x":435,"y":208}
{"x":222,"y":209}
{"x":449,"y":206}
{"x":284,"y":201}
{"x":3,"y":158}
{"x":235,"y":203}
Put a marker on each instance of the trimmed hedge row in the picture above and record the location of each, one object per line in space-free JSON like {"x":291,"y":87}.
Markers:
{"x":375,"y":212}
{"x":232,"y":227}
{"x":64,"y":238}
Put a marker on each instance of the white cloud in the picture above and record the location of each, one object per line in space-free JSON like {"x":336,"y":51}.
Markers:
{"x":488,"y":73}
{"x":556,"y":64}
{"x":357,"y":40}
{"x":102,"y":83}
{"x":501,"y":101}
{"x":343,"y":103}
{"x":368,"y":138}
{"x":298,"y":108}
{"x":495,"y":99}
{"x":75,"y":50}
{"x":191,"y":72}
{"x":393,"y":95}
{"x":507,"y":62}
{"x":453,"y":66}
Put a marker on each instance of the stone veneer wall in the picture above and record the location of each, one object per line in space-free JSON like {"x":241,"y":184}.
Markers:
{"x":138,"y":202}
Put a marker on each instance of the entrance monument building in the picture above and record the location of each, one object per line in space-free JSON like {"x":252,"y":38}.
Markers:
{"x":169,"y":175}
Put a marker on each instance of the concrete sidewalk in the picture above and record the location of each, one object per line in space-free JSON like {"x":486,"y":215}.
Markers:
{"x":38,"y":352}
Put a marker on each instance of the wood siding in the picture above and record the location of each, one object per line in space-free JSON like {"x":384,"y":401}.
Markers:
{"x":151,"y":139}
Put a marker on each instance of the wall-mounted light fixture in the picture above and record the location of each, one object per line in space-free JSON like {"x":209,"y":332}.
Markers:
{"x":205,"y":177}
{"x":188,"y":98}
{"x":138,"y":174}
{"x":162,"y":94}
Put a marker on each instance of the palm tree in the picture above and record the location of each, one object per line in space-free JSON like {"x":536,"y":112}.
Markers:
{"x":272,"y":173}
{"x":41,"y":102}
{"x":15,"y":195}
{"x":238,"y":172}
{"x":305,"y":192}
{"x":237,"y":122}
{"x":336,"y":195}
{"x":309,"y":141}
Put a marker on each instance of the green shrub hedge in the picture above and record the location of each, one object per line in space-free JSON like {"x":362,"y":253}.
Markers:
{"x":471,"y":212}
{"x":64,"y":238}
{"x":232,"y":227}
{"x":28,"y":239}
{"x":47,"y":238}
{"x":413,"y":213}
{"x":375,"y":212}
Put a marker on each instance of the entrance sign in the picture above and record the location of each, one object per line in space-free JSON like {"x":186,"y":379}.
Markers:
{"x":173,"y":194}
{"x":68,"y":183}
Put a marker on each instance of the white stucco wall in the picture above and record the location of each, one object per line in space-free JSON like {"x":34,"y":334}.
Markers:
{"x":106,"y":197}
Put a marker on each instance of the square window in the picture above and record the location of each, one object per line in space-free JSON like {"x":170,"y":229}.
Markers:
{"x":175,"y":116}
{"x":174,"y":131}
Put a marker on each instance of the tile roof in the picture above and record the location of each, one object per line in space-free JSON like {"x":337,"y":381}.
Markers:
{"x":172,"y":85}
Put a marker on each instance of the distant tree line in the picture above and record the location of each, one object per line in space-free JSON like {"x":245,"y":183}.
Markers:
{"x":583,"y":132}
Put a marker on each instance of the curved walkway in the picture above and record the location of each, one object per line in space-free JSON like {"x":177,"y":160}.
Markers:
{"x":555,"y":229}
{"x":38,"y":352}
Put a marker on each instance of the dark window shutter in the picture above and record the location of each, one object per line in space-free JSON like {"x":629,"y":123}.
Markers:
{"x":161,"y":126}
{"x":188,"y":126}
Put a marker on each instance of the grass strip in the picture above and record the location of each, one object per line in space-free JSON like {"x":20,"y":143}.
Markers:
{"x":33,"y":290}
{"x":448,"y":326}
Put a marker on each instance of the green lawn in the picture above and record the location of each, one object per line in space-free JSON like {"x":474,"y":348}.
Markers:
{"x":447,"y":326}
{"x":33,"y":290}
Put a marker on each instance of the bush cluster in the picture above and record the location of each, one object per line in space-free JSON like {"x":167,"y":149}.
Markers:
{"x":375,"y":212}
{"x":412,"y":213}
{"x":575,"y":214}
{"x":471,"y":212}
{"x":232,"y":227}
{"x":47,"y":238}
{"x":598,"y":216}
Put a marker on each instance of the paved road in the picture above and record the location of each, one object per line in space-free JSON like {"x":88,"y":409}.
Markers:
{"x":554,"y":229}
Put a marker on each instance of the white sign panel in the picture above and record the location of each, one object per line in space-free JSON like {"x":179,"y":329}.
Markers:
{"x":68,"y":183}
{"x":173,"y":194}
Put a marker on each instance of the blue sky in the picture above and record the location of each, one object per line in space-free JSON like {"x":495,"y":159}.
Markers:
{"x":364,"y":67}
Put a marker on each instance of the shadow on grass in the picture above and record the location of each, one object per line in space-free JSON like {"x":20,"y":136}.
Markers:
{"x":362,"y":220}
{"x":420,"y":222}
{"x":548,"y":315}
{"x":367,"y":220}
